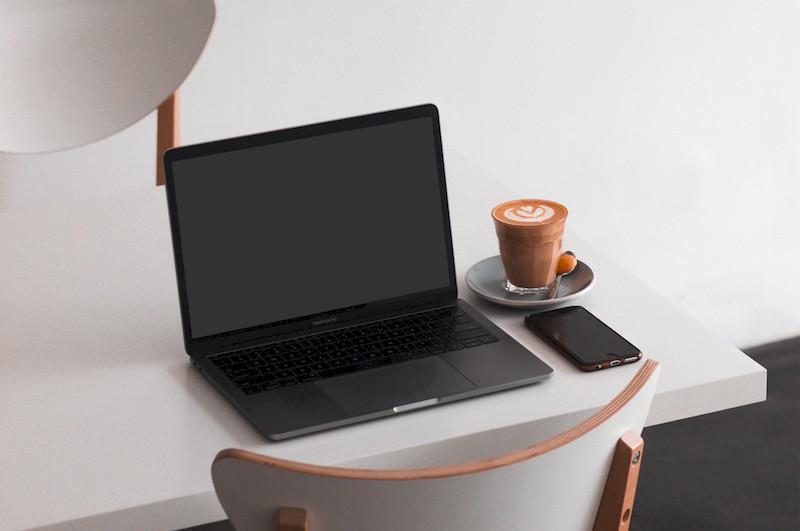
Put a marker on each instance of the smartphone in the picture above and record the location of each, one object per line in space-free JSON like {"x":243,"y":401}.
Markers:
{"x":583,"y":338}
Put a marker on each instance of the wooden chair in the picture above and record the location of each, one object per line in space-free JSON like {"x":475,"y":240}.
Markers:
{"x":583,"y":478}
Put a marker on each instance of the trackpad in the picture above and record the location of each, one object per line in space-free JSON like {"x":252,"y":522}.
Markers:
{"x":396,"y":386}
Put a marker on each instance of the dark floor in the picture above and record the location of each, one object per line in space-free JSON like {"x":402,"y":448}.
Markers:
{"x":734,"y":470}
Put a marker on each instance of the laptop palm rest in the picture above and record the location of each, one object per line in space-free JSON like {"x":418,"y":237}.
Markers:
{"x":397,"y":387}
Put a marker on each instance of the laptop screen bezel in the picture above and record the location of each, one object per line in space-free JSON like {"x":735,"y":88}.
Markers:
{"x":334,"y":318}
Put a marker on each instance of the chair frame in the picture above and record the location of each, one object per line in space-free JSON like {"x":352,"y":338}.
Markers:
{"x":168,"y":131}
{"x":616,"y":504}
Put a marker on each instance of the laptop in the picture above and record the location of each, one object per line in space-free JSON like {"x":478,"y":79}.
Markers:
{"x":316,"y":275}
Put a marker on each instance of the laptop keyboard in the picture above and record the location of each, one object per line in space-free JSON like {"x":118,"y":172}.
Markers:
{"x":352,"y":349}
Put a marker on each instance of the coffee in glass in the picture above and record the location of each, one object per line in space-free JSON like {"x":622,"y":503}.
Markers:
{"x":529,"y":232}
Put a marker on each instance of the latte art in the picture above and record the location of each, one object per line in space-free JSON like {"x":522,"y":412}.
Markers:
{"x":529,"y":213}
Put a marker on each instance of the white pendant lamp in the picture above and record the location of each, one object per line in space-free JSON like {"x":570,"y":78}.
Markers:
{"x":73,"y":72}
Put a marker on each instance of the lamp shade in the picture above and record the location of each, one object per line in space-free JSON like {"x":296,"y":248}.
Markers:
{"x":74,"y":72}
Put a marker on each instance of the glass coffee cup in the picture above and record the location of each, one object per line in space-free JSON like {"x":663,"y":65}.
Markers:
{"x":530,"y":233}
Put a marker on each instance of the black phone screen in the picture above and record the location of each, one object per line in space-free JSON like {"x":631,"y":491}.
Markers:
{"x":582,"y":336}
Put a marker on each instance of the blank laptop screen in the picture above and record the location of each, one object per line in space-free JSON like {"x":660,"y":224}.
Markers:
{"x":301,"y":227}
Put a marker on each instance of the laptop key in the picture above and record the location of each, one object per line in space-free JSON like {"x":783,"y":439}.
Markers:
{"x":236,"y":367}
{"x":464,"y":326}
{"x":339,"y":371}
{"x":463,"y":336}
{"x":245,"y":373}
{"x":321,"y":366}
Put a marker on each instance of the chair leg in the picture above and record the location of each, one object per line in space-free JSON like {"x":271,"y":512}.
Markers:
{"x":292,"y":519}
{"x":616,"y":505}
{"x":168,"y":132}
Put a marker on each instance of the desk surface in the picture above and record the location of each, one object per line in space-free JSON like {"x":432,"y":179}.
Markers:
{"x":105,"y":422}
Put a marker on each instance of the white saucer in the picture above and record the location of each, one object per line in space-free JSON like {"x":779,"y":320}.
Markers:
{"x":487,"y":279}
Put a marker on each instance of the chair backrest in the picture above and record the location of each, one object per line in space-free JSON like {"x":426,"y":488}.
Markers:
{"x":554,"y":484}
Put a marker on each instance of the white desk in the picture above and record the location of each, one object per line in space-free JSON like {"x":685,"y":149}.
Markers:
{"x":105,"y":425}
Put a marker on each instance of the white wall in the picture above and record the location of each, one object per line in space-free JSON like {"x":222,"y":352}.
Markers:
{"x":671,"y":130}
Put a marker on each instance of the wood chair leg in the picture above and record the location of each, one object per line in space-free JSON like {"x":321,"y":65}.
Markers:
{"x":168,"y":132}
{"x":616,"y":505}
{"x":292,"y":519}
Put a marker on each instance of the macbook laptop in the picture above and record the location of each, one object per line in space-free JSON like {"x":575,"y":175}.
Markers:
{"x":316,"y":275}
